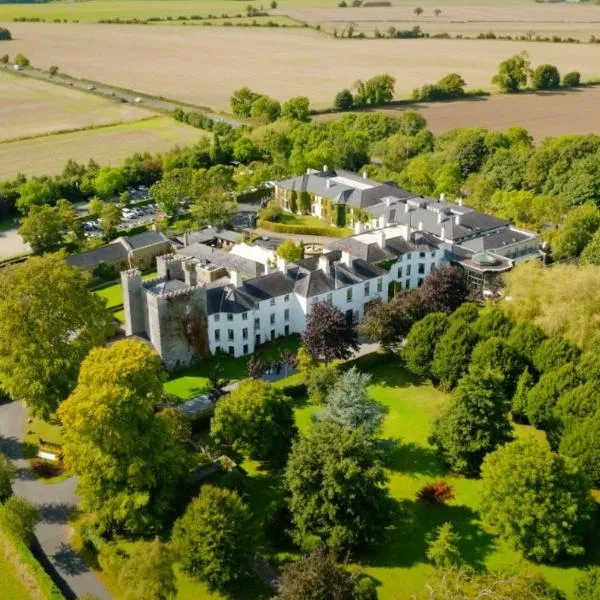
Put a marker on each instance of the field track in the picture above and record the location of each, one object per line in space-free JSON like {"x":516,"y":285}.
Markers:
{"x":543,"y":114}
{"x":183,"y":63}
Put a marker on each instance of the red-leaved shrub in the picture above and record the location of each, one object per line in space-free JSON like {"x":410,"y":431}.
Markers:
{"x":436,"y":493}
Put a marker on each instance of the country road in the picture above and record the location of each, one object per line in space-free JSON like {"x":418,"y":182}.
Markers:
{"x":55,"y":502}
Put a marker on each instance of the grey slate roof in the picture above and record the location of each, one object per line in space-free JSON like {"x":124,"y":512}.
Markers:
{"x":210,"y":234}
{"x":269,"y":286}
{"x":227,"y":299}
{"x":166,"y":286}
{"x":112,"y":253}
{"x":496,"y":240}
{"x":145,"y":239}
{"x":245,"y":266}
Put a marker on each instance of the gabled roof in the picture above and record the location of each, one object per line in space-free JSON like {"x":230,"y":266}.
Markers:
{"x":245,"y":266}
{"x":112,"y":253}
{"x":269,"y":286}
{"x":146,"y":238}
{"x":227,"y":299}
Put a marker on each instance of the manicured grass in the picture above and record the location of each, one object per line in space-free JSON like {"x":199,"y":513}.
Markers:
{"x":11,"y":588}
{"x":47,"y":431}
{"x":399,"y":564}
{"x":113,"y":294}
{"x":195,"y":380}
{"x":302,"y":220}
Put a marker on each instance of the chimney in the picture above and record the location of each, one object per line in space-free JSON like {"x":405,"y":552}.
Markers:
{"x":346,"y":260}
{"x":406,"y":207}
{"x":328,"y":182}
{"x":308,"y":171}
{"x":186,"y":239}
{"x":282,"y":264}
{"x":364,"y":174}
{"x":235,"y":277}
{"x":324,"y":264}
{"x":440,"y":217}
{"x":420,"y":225}
{"x":459,"y":201}
{"x":325,"y":169}
{"x":380,"y":238}
{"x":388,"y":200}
{"x":457,"y":219}
{"x":443,"y":234}
{"x":442,"y":197}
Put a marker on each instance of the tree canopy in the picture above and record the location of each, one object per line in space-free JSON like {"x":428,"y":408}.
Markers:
{"x":49,"y":320}
{"x":538,"y":500}
{"x":336,"y":486}
{"x":127,"y":461}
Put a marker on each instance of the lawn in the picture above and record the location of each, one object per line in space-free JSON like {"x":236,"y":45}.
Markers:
{"x":400,"y":564}
{"x":107,"y":145}
{"x":195,"y":380}
{"x":302,"y":220}
{"x":12,"y":588}
{"x":113,"y":293}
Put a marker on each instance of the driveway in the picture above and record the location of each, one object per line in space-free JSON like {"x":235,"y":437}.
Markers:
{"x":55,"y":503}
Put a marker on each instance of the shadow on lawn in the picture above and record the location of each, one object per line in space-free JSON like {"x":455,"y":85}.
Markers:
{"x":406,"y":541}
{"x":393,"y":374}
{"x":412,"y":459}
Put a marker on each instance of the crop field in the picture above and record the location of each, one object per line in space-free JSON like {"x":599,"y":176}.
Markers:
{"x":279,"y":62}
{"x":543,"y":114}
{"x":107,"y":145}
{"x":31,"y":108}
{"x":565,"y":20}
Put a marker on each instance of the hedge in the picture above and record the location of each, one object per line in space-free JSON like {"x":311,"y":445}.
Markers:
{"x":25,"y":558}
{"x":302,"y":229}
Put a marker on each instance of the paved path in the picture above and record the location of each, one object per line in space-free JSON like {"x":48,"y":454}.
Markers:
{"x":55,"y":502}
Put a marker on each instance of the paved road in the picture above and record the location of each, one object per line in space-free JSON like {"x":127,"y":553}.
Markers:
{"x":55,"y":502}
{"x":101,"y":89}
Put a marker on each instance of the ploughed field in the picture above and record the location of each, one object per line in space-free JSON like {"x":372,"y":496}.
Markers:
{"x":204,"y":65}
{"x":31,"y":108}
{"x":564,"y":20}
{"x":543,"y":114}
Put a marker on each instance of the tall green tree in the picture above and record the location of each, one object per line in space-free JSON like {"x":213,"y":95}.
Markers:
{"x":443,"y":550}
{"x":109,"y":181}
{"x":43,"y":229}
{"x":241,"y":102}
{"x":110,"y":217}
{"x":20,"y":517}
{"x":538,"y":500}
{"x":577,"y":231}
{"x":8,"y":473}
{"x":349,"y":405}
{"x":513,"y":73}
{"x":421,"y":341}
{"x":49,"y":320}
{"x":172,"y":190}
{"x":257,"y":420}
{"x":214,"y":208}
{"x":297,"y":109}
{"x":581,"y":441}
{"x":474,"y":423}
{"x":336,"y":486}
{"x":215,"y":538}
{"x":545,"y":77}
{"x":128,"y":463}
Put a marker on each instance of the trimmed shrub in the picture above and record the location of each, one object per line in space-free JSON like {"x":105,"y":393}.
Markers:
{"x":572,"y":79}
{"x":301,"y":229}
{"x":436,"y":493}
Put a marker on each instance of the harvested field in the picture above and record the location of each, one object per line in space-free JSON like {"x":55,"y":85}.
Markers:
{"x":543,"y":114}
{"x":564,"y":20}
{"x":107,"y":145}
{"x":31,"y":108}
{"x":279,"y":62}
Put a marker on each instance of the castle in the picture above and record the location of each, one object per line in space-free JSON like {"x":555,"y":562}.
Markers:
{"x":206,"y":300}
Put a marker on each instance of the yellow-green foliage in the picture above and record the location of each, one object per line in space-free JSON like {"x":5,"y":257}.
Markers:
{"x":562,"y":300}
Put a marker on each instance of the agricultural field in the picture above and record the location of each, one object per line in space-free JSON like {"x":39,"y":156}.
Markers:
{"x":32,"y":108}
{"x":564,"y":20}
{"x":305,"y":63}
{"x":543,"y":114}
{"x":108,"y":145}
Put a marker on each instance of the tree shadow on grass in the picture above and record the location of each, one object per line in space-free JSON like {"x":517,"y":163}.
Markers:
{"x":414,"y":523}
{"x":411,"y":458}
{"x":393,"y":374}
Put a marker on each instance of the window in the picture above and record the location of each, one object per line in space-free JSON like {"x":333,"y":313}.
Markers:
{"x":367,"y":288}
{"x":231,"y":350}
{"x":272,"y":334}
{"x":230,"y":334}
{"x":245,"y":333}
{"x":407,"y":286}
{"x":257,"y":340}
{"x":217,"y":335}
{"x":229,"y":317}
{"x":217,"y":349}
{"x":272,"y":302}
{"x":421,"y":268}
{"x":421,"y":254}
{"x":272,"y":318}
{"x":399,"y":272}
{"x":217,"y":317}
{"x":245,"y":348}
{"x":286,"y":298}
{"x":393,"y":214}
{"x":380,"y":285}
{"x":287,"y":330}
{"x":330,"y":298}
{"x":420,"y":282}
{"x":349,"y":295}
{"x":244,"y":316}
{"x":256,"y":323}
{"x":286,"y":314}
{"x":408,"y":270}
{"x":409,"y":256}
{"x":433,"y":255}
